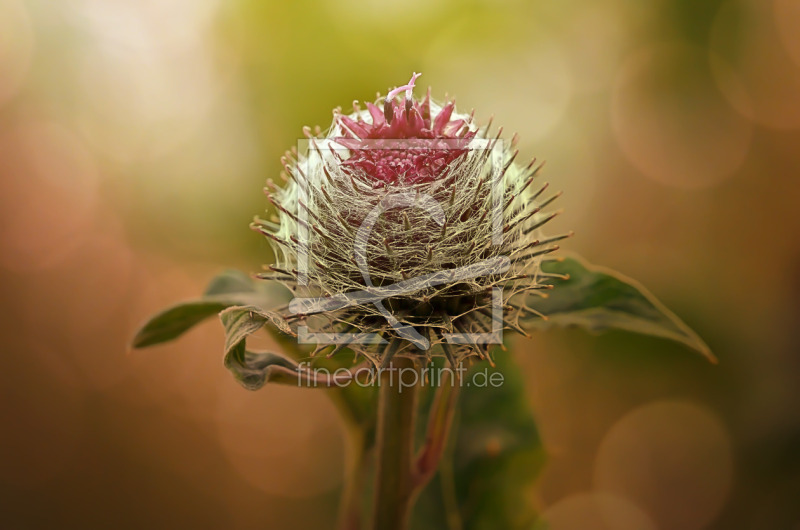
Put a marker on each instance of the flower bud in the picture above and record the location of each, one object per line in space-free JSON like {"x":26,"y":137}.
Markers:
{"x":407,"y":224}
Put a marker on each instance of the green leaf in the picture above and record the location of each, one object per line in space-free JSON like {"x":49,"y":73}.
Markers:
{"x":230,"y":288}
{"x":172,"y":322}
{"x":494,"y":458}
{"x":600,"y":299}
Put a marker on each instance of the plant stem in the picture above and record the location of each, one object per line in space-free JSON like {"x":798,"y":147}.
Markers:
{"x":395,"y":477}
{"x":350,"y":507}
{"x":440,"y":418}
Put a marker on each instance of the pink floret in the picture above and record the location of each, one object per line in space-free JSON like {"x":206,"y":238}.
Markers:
{"x":401,"y":144}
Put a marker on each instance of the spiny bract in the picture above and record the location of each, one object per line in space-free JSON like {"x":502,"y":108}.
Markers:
{"x":407,"y":228}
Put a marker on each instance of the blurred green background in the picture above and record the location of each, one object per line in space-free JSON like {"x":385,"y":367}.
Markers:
{"x":135,"y":138}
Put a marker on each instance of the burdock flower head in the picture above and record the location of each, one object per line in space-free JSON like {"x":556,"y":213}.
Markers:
{"x":407,"y":226}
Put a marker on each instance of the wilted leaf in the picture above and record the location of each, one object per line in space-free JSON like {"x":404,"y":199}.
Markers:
{"x":252,"y":369}
{"x":242,"y":321}
{"x":599,"y":299}
{"x":255,"y":369}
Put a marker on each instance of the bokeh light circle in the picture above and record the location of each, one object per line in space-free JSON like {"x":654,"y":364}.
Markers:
{"x":93,"y":282}
{"x":671,"y":122}
{"x":147,"y":84}
{"x":671,"y":458}
{"x":273,"y":439}
{"x":49,"y":194}
{"x":596,"y":511}
{"x":787,"y":19}
{"x":744,"y":34}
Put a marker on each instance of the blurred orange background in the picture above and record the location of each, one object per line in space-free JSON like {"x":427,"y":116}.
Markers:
{"x":135,"y":138}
